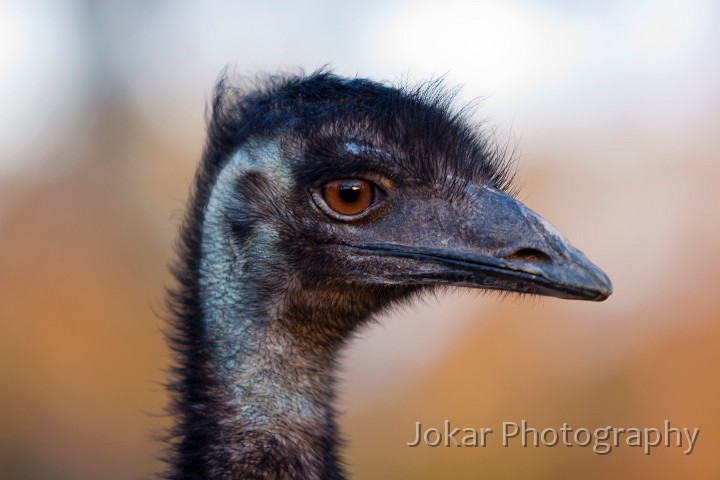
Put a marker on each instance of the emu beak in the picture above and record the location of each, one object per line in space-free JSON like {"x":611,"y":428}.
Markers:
{"x":491,"y":241}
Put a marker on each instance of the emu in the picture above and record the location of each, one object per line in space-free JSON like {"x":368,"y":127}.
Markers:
{"x":320,"y":201}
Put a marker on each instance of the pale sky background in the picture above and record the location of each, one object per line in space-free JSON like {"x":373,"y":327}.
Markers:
{"x":562,"y":67}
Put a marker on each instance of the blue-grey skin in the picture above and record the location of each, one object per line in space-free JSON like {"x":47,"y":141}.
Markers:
{"x":273,"y":282}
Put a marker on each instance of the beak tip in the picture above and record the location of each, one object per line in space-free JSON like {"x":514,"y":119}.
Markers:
{"x":600,"y":284}
{"x":602,"y":295}
{"x":587,"y":277}
{"x":606,"y":288}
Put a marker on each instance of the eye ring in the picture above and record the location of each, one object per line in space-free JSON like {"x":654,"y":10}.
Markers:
{"x":347,"y":198}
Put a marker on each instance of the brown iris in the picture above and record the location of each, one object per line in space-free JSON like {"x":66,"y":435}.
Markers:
{"x":349,"y":196}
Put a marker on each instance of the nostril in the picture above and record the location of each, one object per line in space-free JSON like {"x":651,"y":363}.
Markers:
{"x":529,"y":255}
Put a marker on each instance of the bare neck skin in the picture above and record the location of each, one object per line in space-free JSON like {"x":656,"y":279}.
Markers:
{"x":271,"y":352}
{"x":272,"y":393}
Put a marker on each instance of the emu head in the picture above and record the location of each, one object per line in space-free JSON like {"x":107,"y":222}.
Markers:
{"x":341,"y":196}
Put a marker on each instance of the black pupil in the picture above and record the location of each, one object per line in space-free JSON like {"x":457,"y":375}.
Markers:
{"x":350,"y":192}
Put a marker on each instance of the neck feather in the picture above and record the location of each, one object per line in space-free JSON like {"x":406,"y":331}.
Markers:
{"x":255,"y":387}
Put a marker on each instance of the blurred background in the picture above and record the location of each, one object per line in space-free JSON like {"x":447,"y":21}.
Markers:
{"x":614,"y":106}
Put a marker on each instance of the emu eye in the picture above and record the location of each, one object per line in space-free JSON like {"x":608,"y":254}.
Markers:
{"x":349,"y":196}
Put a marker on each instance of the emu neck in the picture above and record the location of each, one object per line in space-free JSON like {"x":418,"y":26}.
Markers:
{"x":271,"y":369}
{"x":273,"y":395}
